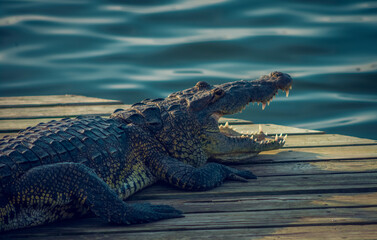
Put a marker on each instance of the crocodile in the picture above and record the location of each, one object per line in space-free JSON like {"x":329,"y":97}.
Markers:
{"x":76,"y":166}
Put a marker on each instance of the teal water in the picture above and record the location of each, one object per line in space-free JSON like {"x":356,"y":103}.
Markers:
{"x":131,"y":50}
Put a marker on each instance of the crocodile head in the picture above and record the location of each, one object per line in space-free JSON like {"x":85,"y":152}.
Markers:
{"x":209,"y":103}
{"x":186,"y":122}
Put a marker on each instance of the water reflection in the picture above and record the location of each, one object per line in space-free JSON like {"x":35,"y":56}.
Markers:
{"x":141,"y":49}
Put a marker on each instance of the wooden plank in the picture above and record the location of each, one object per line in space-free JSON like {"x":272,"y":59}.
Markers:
{"x":333,"y":232}
{"x":314,"y":154}
{"x":59,"y":111}
{"x":318,"y":153}
{"x":268,"y":202}
{"x":53,"y":100}
{"x":325,"y":140}
{"x":216,"y":221}
{"x":356,"y":232}
{"x":273,"y":185}
{"x":310,"y":168}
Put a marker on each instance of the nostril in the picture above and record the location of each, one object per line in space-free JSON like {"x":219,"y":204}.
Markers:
{"x":118,"y":110}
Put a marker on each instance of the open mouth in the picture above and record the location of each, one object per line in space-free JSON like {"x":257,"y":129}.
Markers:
{"x":260,"y":139}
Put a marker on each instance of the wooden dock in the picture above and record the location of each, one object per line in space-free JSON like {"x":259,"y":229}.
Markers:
{"x":319,"y":186}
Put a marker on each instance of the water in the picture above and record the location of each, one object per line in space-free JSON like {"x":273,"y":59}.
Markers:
{"x":131,"y":50}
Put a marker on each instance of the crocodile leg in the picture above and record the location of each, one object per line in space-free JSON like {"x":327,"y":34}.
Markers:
{"x":187,"y":177}
{"x":47,"y":193}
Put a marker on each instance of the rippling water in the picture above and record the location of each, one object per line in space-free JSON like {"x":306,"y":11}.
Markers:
{"x":131,"y":50}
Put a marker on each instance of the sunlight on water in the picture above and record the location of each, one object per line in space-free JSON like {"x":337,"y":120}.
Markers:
{"x":173,"y":7}
{"x":19,"y":19}
{"x":134,"y":50}
{"x":123,"y":86}
{"x":341,"y":121}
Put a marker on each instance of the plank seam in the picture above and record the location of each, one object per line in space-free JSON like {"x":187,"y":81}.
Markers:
{"x":60,"y":104}
{"x":287,"y":209}
{"x":249,"y":194}
{"x":313,"y":174}
{"x":271,"y":161}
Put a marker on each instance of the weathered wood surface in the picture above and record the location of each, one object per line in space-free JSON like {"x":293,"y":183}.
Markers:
{"x":58,"y":111}
{"x":52,"y":100}
{"x":319,"y":186}
{"x":336,"y":232}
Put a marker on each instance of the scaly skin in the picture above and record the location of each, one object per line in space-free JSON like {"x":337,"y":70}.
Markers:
{"x":62,"y":169}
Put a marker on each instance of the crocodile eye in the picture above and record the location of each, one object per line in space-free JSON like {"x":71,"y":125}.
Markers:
{"x":217,"y":94}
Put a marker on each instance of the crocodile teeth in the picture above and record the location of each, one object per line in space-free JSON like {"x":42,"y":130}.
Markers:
{"x":263,"y":105}
{"x":285,"y":137}
{"x":226,"y":124}
{"x":286,"y":92}
{"x":276,"y":137}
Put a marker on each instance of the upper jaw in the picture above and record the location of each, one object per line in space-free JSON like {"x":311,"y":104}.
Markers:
{"x":239,"y":94}
{"x":270,"y":84}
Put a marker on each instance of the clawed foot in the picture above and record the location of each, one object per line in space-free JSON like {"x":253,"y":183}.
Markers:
{"x":145,"y":212}
{"x":240,"y":175}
